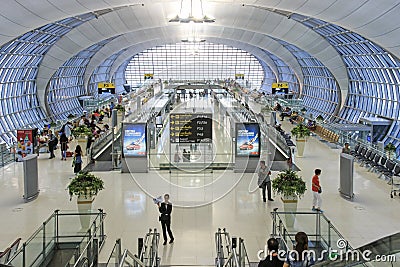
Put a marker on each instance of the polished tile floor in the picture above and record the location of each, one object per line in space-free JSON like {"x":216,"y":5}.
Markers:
{"x":229,"y":201}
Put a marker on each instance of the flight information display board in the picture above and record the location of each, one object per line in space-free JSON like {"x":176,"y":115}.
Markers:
{"x":248,"y":140}
{"x":190,"y":128}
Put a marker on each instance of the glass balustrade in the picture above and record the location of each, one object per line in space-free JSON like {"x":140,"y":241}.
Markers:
{"x":62,"y":228}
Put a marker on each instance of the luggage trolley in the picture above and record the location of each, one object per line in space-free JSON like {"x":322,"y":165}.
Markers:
{"x":395,"y":181}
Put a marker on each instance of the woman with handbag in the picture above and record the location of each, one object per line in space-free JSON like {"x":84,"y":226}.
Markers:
{"x":317,"y":190}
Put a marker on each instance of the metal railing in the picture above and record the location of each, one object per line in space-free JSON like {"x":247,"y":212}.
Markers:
{"x":321,"y":233}
{"x":230,"y":251}
{"x":62,"y":229}
{"x":7,"y":154}
{"x":147,"y":255}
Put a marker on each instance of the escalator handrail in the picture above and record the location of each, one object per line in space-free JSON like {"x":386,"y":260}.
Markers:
{"x":377,"y":248}
{"x":127,"y":254}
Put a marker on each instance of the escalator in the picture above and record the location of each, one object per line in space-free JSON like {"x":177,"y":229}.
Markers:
{"x":382,"y":252}
{"x":101,"y":153}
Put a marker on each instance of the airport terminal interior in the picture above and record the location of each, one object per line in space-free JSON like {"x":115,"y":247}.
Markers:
{"x":199,"y":133}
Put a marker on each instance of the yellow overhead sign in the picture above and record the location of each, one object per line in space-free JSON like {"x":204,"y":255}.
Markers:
{"x":105,"y":85}
{"x":148,"y":76}
{"x":280,"y":85}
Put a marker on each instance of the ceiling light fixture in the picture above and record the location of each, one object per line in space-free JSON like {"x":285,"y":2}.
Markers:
{"x":191,"y":17}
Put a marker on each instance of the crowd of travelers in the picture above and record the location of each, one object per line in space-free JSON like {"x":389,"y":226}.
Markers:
{"x":50,"y":140}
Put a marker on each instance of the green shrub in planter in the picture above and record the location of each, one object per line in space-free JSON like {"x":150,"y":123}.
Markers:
{"x":319,"y":118}
{"x":390,"y":149}
{"x":120,"y":108}
{"x":300,"y":131}
{"x":82,"y":130}
{"x":85,"y":184}
{"x":288,"y":183}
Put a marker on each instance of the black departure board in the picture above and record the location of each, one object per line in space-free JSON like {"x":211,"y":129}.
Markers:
{"x":190,"y":128}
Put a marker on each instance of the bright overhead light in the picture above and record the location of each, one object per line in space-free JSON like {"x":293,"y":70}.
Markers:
{"x":191,"y":18}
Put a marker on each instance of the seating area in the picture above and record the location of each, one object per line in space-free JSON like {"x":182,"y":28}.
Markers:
{"x":9,"y":252}
{"x":326,"y":134}
{"x":374,"y":161}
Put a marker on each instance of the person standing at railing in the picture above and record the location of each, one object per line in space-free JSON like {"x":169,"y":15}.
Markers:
{"x":272,"y":258}
{"x":165,"y":209}
{"x":317,"y":190}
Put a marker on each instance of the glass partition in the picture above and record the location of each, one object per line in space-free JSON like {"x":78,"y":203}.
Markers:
{"x":60,"y":228}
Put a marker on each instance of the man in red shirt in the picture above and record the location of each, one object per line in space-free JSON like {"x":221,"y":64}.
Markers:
{"x":316,"y":188}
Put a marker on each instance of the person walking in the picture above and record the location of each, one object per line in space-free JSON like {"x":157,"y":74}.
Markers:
{"x":165,"y":209}
{"x":77,"y":163}
{"x":67,"y":129}
{"x":272,"y":258}
{"x":299,"y":256}
{"x":185,"y":155}
{"x":53,"y":141}
{"x":64,"y":146}
{"x":264,"y":180}
{"x":316,"y":190}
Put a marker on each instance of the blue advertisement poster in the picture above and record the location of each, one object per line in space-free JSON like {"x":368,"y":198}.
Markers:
{"x":134,"y":140}
{"x":248,"y":139}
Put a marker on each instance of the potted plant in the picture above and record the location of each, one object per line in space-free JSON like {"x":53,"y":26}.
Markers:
{"x":300,"y":132}
{"x":120,"y":107}
{"x":81,"y":134}
{"x":53,"y":124}
{"x":291,"y":187}
{"x":390,"y":150}
{"x":319,"y":118}
{"x":85,"y":186}
{"x":70,"y":116}
{"x":82,"y":131}
{"x":303,"y":110}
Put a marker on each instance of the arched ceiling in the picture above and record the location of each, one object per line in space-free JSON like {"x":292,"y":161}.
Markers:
{"x":376,"y":20}
{"x":126,"y":42}
{"x":247,"y":21}
{"x":253,"y":25}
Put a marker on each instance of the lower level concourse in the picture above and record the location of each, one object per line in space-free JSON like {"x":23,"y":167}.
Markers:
{"x":178,"y":133}
{"x":204,"y":200}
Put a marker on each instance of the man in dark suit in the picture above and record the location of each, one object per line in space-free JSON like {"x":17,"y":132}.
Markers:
{"x":165,"y":209}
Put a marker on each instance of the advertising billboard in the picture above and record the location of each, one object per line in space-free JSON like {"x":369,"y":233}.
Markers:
{"x":134,"y":140}
{"x":26,"y":141}
{"x":248,"y":140}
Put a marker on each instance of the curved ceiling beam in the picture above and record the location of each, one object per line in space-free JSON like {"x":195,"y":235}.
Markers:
{"x":374,"y":20}
{"x":125,"y":42}
{"x":243,"y":25}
